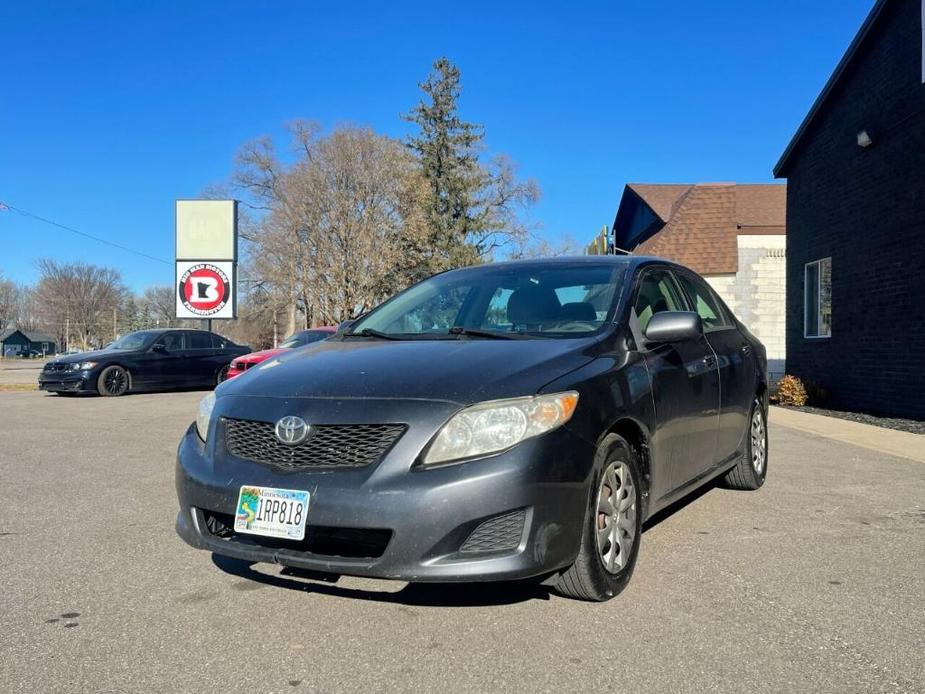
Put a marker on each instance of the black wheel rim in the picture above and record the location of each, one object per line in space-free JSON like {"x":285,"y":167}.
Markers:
{"x":115,"y":381}
{"x":223,"y":373}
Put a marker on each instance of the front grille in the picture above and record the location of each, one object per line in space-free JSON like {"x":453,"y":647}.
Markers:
{"x":54,"y":366}
{"x":352,"y":543}
{"x":327,"y":445}
{"x":496,"y":534}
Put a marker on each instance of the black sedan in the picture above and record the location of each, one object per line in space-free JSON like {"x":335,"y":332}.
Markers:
{"x":144,"y":360}
{"x":508,"y":421}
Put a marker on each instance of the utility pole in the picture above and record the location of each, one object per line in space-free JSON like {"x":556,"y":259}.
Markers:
{"x":275,"y":336}
{"x":114,"y":335}
{"x":67,"y":329}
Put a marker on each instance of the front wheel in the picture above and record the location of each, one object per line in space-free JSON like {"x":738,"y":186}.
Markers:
{"x":752,"y":468}
{"x":113,"y":381}
{"x":612,"y":528}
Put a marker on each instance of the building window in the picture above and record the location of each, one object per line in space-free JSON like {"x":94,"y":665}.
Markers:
{"x":817,"y":298}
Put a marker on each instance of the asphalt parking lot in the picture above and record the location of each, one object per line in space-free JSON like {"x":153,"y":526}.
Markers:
{"x":814,"y":583}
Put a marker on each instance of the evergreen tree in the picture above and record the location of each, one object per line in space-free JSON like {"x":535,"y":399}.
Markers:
{"x":471,"y":209}
{"x":446,"y":147}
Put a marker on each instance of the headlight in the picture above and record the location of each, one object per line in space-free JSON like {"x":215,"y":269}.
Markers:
{"x":204,"y":415}
{"x":83,"y":366}
{"x":493,"y":426}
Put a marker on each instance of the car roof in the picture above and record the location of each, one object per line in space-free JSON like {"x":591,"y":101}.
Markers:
{"x":168,"y":330}
{"x":629,"y":261}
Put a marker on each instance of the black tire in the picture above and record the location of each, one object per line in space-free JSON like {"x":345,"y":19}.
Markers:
{"x":113,"y":382}
{"x":747,"y":475}
{"x":588,"y":578}
{"x":222,"y":374}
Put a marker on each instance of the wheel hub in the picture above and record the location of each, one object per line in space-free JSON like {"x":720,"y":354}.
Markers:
{"x":758,"y":441}
{"x":616,"y":516}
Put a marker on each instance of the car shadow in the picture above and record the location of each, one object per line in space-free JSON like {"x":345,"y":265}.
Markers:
{"x":132,"y":393}
{"x":413,"y":594}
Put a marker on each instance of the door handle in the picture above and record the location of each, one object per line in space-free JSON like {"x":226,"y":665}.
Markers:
{"x":746,"y":349}
{"x":709,"y":361}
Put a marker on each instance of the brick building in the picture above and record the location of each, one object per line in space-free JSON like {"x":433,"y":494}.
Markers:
{"x":856,"y":223}
{"x":733,"y":235}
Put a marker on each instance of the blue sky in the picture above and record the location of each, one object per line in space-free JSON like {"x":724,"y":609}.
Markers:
{"x":109,"y":111}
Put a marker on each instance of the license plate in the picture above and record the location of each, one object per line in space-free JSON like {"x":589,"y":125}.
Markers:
{"x":272,"y":512}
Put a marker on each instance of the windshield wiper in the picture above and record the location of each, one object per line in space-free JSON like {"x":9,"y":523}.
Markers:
{"x":475,"y":332}
{"x":369,"y":332}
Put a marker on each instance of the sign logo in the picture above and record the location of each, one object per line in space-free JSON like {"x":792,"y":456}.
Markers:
{"x":291,"y":430}
{"x":204,"y":289}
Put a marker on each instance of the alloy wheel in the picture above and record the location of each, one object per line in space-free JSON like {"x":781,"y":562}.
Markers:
{"x":616,"y":516}
{"x":116,"y":381}
{"x":758,"y":440}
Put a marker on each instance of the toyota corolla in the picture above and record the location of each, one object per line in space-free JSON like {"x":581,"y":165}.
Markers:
{"x":507,"y":421}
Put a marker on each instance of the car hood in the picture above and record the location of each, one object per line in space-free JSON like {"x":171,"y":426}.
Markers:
{"x":95,"y":355}
{"x":463,"y":371}
{"x":260,"y":356}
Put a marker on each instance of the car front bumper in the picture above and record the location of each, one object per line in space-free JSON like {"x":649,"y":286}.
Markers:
{"x":398,"y":522}
{"x":67,"y":382}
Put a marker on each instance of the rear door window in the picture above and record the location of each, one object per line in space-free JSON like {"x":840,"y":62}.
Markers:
{"x":196,"y":340}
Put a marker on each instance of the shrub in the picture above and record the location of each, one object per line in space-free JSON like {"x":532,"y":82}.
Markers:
{"x":791,"y":391}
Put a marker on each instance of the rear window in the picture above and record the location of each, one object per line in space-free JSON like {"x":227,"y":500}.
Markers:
{"x":198,"y":341}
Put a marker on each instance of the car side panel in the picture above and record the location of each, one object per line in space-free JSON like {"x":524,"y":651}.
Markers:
{"x":614,"y":389}
{"x":201,"y":360}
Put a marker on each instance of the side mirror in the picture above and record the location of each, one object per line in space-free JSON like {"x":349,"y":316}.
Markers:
{"x":674,"y":326}
{"x":159,"y":347}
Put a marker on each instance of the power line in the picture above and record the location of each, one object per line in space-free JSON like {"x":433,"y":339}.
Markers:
{"x":7,"y":206}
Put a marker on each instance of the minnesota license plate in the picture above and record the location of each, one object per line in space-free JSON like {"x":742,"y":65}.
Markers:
{"x":272,"y":512}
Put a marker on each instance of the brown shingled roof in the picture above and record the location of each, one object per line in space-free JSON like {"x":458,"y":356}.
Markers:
{"x":703,"y":221}
{"x":660,"y":197}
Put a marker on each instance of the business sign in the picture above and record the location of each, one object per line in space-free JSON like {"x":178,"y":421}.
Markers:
{"x":207,"y":254}
{"x":207,"y":230}
{"x":205,"y":289}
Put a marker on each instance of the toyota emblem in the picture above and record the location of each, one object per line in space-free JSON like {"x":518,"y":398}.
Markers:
{"x":291,"y":430}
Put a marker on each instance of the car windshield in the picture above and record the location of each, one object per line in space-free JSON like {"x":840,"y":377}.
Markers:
{"x":133,"y":340}
{"x":303,"y":338}
{"x":530,"y":299}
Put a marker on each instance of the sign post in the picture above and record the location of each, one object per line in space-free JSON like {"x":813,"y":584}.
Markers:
{"x":207,"y":260}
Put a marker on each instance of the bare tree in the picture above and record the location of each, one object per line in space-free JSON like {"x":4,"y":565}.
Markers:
{"x":541,"y":248}
{"x":76,"y":300}
{"x":342,"y":227}
{"x":498,"y":206}
{"x":11,"y":303}
{"x":159,"y":303}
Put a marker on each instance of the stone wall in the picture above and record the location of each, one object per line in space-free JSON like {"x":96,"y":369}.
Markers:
{"x":757,"y":293}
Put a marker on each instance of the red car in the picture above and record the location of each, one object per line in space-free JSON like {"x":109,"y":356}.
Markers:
{"x":242,"y":364}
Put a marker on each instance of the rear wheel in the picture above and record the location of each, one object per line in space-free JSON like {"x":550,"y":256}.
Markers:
{"x":113,"y":381}
{"x":612,"y":528}
{"x":222,"y":374}
{"x":752,"y":468}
